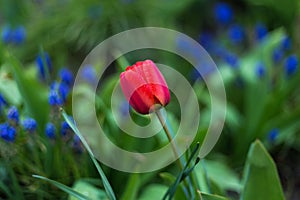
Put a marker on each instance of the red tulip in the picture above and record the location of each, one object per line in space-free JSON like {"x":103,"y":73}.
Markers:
{"x":144,"y":87}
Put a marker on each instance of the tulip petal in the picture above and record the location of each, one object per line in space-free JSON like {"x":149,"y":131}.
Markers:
{"x":136,"y":91}
{"x":158,"y":84}
{"x":144,"y":86}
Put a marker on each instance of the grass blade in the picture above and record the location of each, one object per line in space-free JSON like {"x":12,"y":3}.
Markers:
{"x":107,"y":187}
{"x":63,"y":188}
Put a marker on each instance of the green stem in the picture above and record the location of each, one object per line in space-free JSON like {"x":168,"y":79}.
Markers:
{"x":175,"y":151}
{"x":168,"y":133}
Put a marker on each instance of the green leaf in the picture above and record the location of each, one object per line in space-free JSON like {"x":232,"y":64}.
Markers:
{"x":206,"y":196}
{"x":261,"y":180}
{"x":154,"y":191}
{"x":221,"y":174}
{"x":63,"y":187}
{"x":10,"y":91}
{"x":106,"y":184}
{"x":88,"y":190}
{"x":132,"y":187}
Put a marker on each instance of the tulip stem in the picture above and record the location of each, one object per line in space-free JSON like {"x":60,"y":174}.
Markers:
{"x":169,"y":135}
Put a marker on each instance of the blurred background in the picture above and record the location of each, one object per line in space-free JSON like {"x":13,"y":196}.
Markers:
{"x":254,"y":43}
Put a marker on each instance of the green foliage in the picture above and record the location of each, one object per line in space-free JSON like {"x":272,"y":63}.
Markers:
{"x":68,"y":30}
{"x":65,"y":188}
{"x":106,"y":184}
{"x":261,"y":180}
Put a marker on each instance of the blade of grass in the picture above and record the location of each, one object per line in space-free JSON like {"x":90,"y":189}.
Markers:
{"x":5,"y":190}
{"x":64,"y":188}
{"x":107,"y":187}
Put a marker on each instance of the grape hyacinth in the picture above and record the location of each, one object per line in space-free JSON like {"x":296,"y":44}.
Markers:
{"x":13,"y":36}
{"x":54,"y":98}
{"x":7,"y":132}
{"x":13,"y":114}
{"x":286,"y":43}
{"x":261,"y":31}
{"x":277,"y":55}
{"x":223,"y":13}
{"x":88,"y":74}
{"x":291,"y":65}
{"x":231,"y":59}
{"x":66,"y":76}
{"x":50,"y":130}
{"x":29,"y":125}
{"x":236,"y":34}
{"x":44,"y":65}
{"x":64,"y":128}
{"x":2,"y":102}
{"x":19,"y":35}
{"x":273,"y":134}
{"x":260,"y":70}
{"x":6,"y":35}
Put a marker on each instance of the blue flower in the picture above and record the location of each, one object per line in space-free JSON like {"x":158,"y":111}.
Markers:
{"x":29,"y":125}
{"x":63,"y":91}
{"x":16,"y":36}
{"x":13,"y":114}
{"x":64,"y":128}
{"x":2,"y":102}
{"x":223,"y":13}
{"x":202,"y":70}
{"x":261,"y":31}
{"x":54,"y":98}
{"x":291,"y":65}
{"x":232,"y":60}
{"x":88,"y":73}
{"x":19,"y":35}
{"x":77,"y":145}
{"x":273,"y":134}
{"x":206,"y":40}
{"x":6,"y":35}
{"x":7,"y":132}
{"x":44,"y":65}
{"x":66,"y":76}
{"x":260,"y":70}
{"x":286,"y":43}
{"x":50,"y":130}
{"x":236,"y":34}
{"x":277,"y":55}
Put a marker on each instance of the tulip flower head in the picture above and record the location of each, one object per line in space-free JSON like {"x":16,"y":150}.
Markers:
{"x":145,"y":87}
